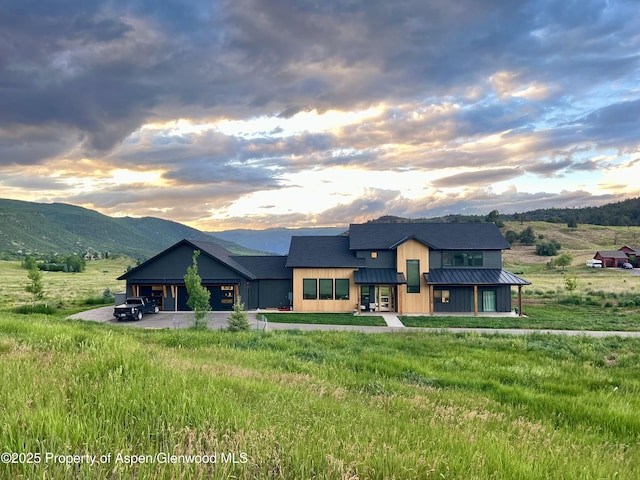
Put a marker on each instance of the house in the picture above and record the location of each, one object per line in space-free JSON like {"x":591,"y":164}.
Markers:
{"x":611,"y":258}
{"x":260,"y":281}
{"x":404,"y":268}
{"x":633,"y":254}
{"x":383,"y":267}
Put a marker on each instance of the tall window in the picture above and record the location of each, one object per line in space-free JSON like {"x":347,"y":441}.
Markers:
{"x":309,"y":289}
{"x":326,"y":289}
{"x":413,"y":276}
{"x":471,"y":258}
{"x":342,"y":289}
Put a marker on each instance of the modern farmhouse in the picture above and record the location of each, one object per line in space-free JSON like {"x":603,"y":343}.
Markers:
{"x":385,"y":267}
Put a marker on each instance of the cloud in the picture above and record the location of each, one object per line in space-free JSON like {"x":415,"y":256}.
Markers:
{"x":464,"y":95}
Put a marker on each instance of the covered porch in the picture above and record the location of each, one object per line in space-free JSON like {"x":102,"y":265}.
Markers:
{"x":378,"y":289}
{"x":481,"y":291}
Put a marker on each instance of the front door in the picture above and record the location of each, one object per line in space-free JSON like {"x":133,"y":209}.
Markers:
{"x":384,"y":298}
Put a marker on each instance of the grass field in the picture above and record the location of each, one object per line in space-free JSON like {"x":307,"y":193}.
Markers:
{"x":63,"y":289}
{"x":322,"y":405}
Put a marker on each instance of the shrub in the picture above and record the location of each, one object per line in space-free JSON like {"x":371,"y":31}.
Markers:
{"x":38,"y":308}
{"x":238,"y":321}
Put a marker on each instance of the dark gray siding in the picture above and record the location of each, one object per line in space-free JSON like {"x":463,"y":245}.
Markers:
{"x":461,"y":299}
{"x":386,"y":258}
{"x":271,"y":293}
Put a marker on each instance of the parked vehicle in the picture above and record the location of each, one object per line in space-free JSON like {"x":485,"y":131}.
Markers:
{"x":134,"y":308}
{"x":593,"y":263}
{"x":627,"y":265}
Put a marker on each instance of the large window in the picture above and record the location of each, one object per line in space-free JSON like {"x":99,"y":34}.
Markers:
{"x":413,"y":276}
{"x":342,"y":289}
{"x":309,"y":289}
{"x":462,"y":258}
{"x":326,"y":289}
{"x":323,"y":289}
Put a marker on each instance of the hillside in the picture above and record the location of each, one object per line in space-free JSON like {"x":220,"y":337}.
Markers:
{"x":57,"y":228}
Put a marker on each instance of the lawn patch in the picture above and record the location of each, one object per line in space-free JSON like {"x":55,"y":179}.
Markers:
{"x":326,"y":319}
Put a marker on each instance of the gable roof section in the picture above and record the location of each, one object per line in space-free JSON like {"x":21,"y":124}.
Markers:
{"x":438,"y":236}
{"x":473,"y":276}
{"x":617,"y":254}
{"x":210,"y":249}
{"x":272,"y":267}
{"x":322,"y":251}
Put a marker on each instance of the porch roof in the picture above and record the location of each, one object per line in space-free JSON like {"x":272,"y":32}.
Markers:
{"x":379,"y":276}
{"x":473,"y":276}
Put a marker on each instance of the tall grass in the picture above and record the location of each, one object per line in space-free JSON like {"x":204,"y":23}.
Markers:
{"x":323,"y":405}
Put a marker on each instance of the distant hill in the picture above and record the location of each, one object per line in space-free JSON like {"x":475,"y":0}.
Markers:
{"x":625,"y":213}
{"x":275,"y":240}
{"x":57,"y":228}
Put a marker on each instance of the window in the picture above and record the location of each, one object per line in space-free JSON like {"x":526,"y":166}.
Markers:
{"x":309,"y":289}
{"x":374,"y":254}
{"x":326,"y":289}
{"x":342,"y":289}
{"x":413,"y":276}
{"x":472,"y":258}
{"x":441,"y":296}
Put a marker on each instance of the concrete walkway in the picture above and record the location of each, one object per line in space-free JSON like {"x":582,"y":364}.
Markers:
{"x":218,"y":320}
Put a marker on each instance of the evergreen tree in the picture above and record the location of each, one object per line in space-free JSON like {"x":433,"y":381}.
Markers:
{"x":527,"y":236}
{"x":238,"y":321}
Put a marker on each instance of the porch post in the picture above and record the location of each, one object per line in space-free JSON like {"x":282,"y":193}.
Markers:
{"x":432,"y":303}
{"x":519,"y":300}
{"x":475,"y":300}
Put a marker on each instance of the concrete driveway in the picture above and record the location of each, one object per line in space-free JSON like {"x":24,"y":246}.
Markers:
{"x":218,"y":320}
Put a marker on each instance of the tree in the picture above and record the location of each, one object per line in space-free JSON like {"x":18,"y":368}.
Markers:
{"x":238,"y":321}
{"x":35,"y":288}
{"x":527,"y":236}
{"x":563,"y":260}
{"x":494,"y":217}
{"x":198,"y":295}
{"x":29,"y":263}
{"x":74,"y":263}
{"x":548,"y":249}
{"x":511,"y":237}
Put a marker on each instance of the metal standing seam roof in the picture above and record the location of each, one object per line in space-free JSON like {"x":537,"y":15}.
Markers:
{"x":379,"y":276}
{"x":473,"y":276}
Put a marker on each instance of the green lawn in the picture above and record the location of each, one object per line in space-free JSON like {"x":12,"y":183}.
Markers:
{"x":326,"y":319}
{"x":548,"y":316}
{"x":322,"y":405}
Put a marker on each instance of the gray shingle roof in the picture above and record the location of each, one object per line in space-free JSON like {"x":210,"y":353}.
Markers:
{"x":438,"y":236}
{"x":612,"y":254}
{"x":473,"y":276}
{"x":322,"y":251}
{"x":266,"y":267}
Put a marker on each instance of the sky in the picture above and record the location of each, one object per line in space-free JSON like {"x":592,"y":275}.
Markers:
{"x":224,"y":114}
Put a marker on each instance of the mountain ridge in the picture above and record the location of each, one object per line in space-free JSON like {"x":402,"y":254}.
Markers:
{"x":60,"y":228}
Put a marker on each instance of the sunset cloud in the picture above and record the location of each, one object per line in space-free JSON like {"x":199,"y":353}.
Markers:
{"x":257,"y":114}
